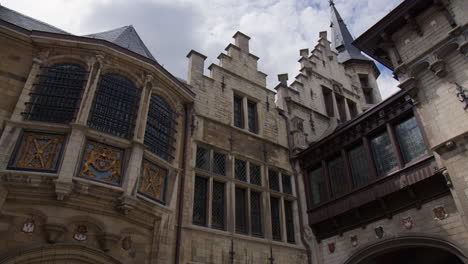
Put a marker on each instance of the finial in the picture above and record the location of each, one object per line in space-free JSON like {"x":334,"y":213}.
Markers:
{"x":332,"y":3}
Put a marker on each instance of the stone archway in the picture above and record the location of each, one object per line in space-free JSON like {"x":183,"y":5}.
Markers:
{"x":64,"y":253}
{"x":413,"y":249}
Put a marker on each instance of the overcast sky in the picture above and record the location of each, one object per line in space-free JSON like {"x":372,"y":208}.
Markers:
{"x":171,"y":28}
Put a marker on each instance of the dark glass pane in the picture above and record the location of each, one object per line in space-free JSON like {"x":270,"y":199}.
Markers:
{"x":287,"y":188}
{"x":273,"y":178}
{"x":368,"y":96}
{"x":240,"y":170}
{"x":382,"y":149}
{"x":241,"y":223}
{"x":160,"y":128}
{"x":275,"y":218}
{"x":256,"y":213}
{"x":217,"y":210}
{"x":203,"y":158}
{"x":252,"y":116}
{"x":341,"y":107}
{"x":336,"y":171}
{"x":255,"y":174}
{"x":57,"y":94}
{"x":219,"y":163}
{"x":318,"y":188}
{"x":288,"y":211}
{"x":359,"y":164}
{"x":410,"y":140}
{"x":328,"y":101}
{"x":238,"y":112}
{"x":352,"y":109}
{"x":115,"y":106}
{"x":200,"y":201}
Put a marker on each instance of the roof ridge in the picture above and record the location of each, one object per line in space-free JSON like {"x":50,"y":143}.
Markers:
{"x":130,"y":27}
{"x":34,"y":19}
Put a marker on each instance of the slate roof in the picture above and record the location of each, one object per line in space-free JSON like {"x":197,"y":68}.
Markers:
{"x":342,"y":39}
{"x":26,"y":22}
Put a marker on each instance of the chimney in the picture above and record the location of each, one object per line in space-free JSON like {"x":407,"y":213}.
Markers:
{"x":323,"y":34}
{"x":242,"y":41}
{"x":196,"y":65}
{"x":283,"y":79}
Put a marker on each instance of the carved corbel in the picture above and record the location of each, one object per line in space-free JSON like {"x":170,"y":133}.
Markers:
{"x":414,"y":24}
{"x":107,"y":241}
{"x":63,"y":189}
{"x":389,"y":46}
{"x":54,"y":232}
{"x":410,"y":85}
{"x":437,"y":66}
{"x":441,"y":6}
{"x":126,"y":203}
{"x":41,"y":57}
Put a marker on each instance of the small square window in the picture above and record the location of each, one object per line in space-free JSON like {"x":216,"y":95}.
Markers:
{"x":219,"y":163}
{"x":240,"y":170}
{"x":273,"y":178}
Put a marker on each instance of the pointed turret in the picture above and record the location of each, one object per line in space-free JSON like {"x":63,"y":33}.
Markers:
{"x":342,"y":39}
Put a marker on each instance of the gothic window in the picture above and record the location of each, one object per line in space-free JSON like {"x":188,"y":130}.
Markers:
{"x":256,"y":213}
{"x":203,"y":158}
{"x":240,"y":170}
{"x":252,"y":116}
{"x":57,"y":94}
{"x":352,"y":109}
{"x":241,"y":216}
{"x":359,"y":164}
{"x":288,"y":210}
{"x":286,"y":180}
{"x":382,"y":150}
{"x":200,"y":201}
{"x":410,"y":140}
{"x":255,"y":174}
{"x":273,"y":178}
{"x":115,"y":106}
{"x":275,"y":218}
{"x":153,"y":182}
{"x":38,"y":151}
{"x":160,"y":128}
{"x":217,"y":208}
{"x":238,"y":112}
{"x":336,"y":171}
{"x":328,"y":101}
{"x":318,"y":187}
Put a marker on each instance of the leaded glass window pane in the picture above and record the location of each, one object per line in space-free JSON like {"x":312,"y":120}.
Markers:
{"x":240,"y":170}
{"x":252,"y":116}
{"x":57,"y":94}
{"x":287,"y":188}
{"x":410,"y":140}
{"x":336,"y":172}
{"x":384,"y":157}
{"x":256,"y":213}
{"x":288,"y":210}
{"x":238,"y":112}
{"x":359,"y":164}
{"x":115,"y":106}
{"x":217,"y":209}
{"x":203,"y":158}
{"x":255,"y":174}
{"x":275,"y":218}
{"x":200,"y":201}
{"x":160,"y":128}
{"x":241,"y":223}
{"x":219,"y":163}
{"x":318,"y":187}
{"x":273,"y":178}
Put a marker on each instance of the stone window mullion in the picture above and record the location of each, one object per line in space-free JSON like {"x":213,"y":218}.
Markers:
{"x":209,"y":201}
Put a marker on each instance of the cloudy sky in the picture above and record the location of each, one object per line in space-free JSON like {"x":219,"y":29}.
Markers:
{"x":171,"y":28}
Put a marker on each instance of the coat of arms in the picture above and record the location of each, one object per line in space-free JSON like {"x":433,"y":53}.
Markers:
{"x":440,"y":213}
{"x":331,"y":247}
{"x":28,"y":226}
{"x":407,"y":223}
{"x":80,"y":233}
{"x":354,"y":240}
{"x":379,"y":231}
{"x":127,"y":243}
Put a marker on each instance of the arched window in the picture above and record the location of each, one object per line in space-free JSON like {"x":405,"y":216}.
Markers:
{"x":57,"y":93}
{"x":160,"y":128}
{"x":115,"y":106}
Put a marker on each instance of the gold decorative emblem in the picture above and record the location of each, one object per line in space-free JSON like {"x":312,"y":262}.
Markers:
{"x":80,"y":233}
{"x":39,"y":151}
{"x":28,"y":226}
{"x":152,"y":181}
{"x":440,"y":213}
{"x":102,"y":163}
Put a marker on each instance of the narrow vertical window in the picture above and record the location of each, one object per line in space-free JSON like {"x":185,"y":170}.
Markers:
{"x":252,"y":116}
{"x":238,"y":112}
{"x":200,"y":201}
{"x":410,"y":140}
{"x":256,"y":213}
{"x":338,"y":181}
{"x":219,"y":163}
{"x":352,"y":109}
{"x":286,"y":180}
{"x":368,"y":96}
{"x":275,"y":218}
{"x":273,"y":179}
{"x":202,"y":158}
{"x":240,"y":170}
{"x":318,"y":187}
{"x":359,"y":164}
{"x":382,"y":150}
{"x":255,"y":175}
{"x":341,"y":107}
{"x":364,"y":80}
{"x":217,"y":206}
{"x":288,"y":210}
{"x":328,"y":101}
{"x":241,"y":221}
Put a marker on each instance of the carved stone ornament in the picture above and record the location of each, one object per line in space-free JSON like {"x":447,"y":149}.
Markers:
{"x":354,"y":240}
{"x":331,"y":247}
{"x":28,"y":226}
{"x":127,"y":243}
{"x":440,"y":213}
{"x":80,"y":233}
{"x":107,"y":241}
{"x":102,"y":163}
{"x":54,"y":232}
{"x":438,"y":67}
{"x":407,"y":223}
{"x":379,"y":232}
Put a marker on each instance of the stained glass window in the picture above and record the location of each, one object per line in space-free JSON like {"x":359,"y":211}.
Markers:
{"x":200,"y":201}
{"x":203,"y":158}
{"x":115,"y":106}
{"x":336,"y":172}
{"x":410,"y":140}
{"x":252,"y":116}
{"x":238,"y":112}
{"x":160,"y":128}
{"x":217,"y":208}
{"x":275,"y":218}
{"x":57,"y":94}
{"x":241,"y":223}
{"x":273,"y":178}
{"x":256,"y":213}
{"x":153,"y":182}
{"x":359,"y":164}
{"x":287,"y":188}
{"x":288,"y":211}
{"x":255,"y":174}
{"x":219,"y":163}
{"x":240,"y":170}
{"x":384,"y":157}
{"x":38,"y":151}
{"x":318,"y":187}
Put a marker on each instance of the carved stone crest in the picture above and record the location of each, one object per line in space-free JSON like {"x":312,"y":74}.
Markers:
{"x":28,"y":226}
{"x":379,"y":231}
{"x":331,"y":247}
{"x":80,"y":233}
{"x":407,"y":223}
{"x":127,"y":243}
{"x":354,"y":240}
{"x":440,"y":213}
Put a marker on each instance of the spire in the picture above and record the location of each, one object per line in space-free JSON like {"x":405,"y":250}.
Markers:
{"x":342,"y":39}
